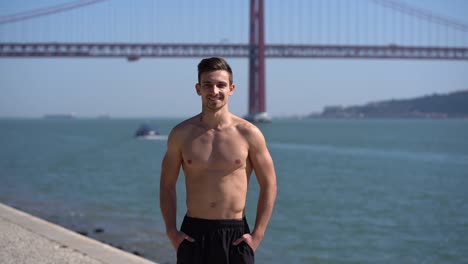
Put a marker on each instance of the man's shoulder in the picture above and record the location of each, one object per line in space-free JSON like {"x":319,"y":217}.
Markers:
{"x":246,"y":128}
{"x":252,"y":134}
{"x":185,"y":127}
{"x":187,"y":123}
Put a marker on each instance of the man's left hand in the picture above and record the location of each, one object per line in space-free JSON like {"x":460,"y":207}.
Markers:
{"x":251,"y":240}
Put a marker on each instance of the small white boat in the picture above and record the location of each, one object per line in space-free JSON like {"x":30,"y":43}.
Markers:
{"x":146,"y":132}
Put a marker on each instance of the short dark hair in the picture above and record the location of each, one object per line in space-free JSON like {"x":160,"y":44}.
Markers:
{"x":214,"y":64}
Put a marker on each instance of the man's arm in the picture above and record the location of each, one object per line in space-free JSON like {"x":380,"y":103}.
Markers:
{"x":264,"y":170}
{"x":167,"y":189}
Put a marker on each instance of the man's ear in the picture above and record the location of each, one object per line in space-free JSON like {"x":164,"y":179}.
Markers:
{"x":231,"y":89}
{"x":197,"y":88}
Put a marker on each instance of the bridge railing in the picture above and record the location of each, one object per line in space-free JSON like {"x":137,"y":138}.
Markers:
{"x":133,"y":51}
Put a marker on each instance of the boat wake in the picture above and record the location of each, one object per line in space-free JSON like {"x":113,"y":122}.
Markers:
{"x":153,"y":137}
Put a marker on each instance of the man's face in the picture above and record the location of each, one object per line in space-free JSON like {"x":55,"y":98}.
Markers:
{"x":214,"y":88}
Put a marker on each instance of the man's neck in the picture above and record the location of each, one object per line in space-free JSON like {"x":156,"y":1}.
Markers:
{"x":215,"y":120}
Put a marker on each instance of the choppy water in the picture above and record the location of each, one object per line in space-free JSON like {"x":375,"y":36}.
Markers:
{"x":350,"y":191}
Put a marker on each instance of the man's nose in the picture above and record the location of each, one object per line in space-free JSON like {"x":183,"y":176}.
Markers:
{"x":214,"y":89}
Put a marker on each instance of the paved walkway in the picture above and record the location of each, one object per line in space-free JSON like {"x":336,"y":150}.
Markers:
{"x":28,"y":239}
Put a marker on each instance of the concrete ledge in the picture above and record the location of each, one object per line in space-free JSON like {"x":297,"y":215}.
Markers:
{"x":34,"y":236}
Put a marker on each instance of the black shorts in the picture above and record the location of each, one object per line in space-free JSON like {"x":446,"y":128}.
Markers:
{"x":213,"y":242}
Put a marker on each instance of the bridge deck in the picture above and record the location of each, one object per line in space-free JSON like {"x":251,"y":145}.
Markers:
{"x":133,"y":51}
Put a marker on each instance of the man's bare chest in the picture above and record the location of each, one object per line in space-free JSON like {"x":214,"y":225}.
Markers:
{"x":215,"y":151}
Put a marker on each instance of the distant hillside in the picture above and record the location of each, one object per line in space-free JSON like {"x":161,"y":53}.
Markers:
{"x":432,"y":106}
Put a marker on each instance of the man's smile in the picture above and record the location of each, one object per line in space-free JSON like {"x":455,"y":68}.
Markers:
{"x":215,"y":99}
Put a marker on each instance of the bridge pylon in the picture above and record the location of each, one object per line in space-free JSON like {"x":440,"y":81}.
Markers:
{"x":257,"y":107}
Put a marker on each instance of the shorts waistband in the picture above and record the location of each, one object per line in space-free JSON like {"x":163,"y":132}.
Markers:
{"x":209,"y":224}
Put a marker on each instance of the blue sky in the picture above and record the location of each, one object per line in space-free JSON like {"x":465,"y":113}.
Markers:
{"x":165,"y":87}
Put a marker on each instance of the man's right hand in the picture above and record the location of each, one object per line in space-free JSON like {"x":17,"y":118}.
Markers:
{"x":178,"y":237}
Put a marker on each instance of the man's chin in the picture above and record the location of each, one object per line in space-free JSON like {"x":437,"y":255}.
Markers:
{"x":215,"y":107}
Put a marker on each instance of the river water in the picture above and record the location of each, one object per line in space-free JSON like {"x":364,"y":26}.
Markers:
{"x":349,"y":191}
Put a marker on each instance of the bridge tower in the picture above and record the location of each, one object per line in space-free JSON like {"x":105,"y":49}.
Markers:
{"x":257,"y":108}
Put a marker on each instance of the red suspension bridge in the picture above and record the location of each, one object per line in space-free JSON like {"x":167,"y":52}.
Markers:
{"x":363,"y":29}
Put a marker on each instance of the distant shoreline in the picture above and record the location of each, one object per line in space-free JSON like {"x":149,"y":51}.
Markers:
{"x":435,"y":106}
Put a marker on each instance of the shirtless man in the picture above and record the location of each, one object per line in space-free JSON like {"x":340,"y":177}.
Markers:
{"x":217,"y":151}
